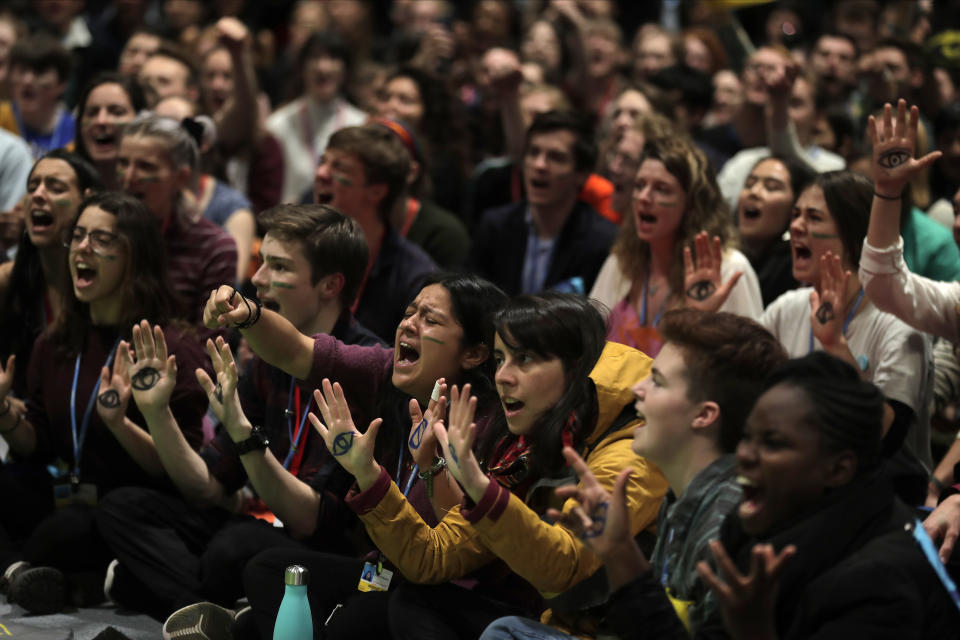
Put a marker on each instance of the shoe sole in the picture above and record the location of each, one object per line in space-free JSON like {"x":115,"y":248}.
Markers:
{"x":39,"y":590}
{"x":201,"y":621}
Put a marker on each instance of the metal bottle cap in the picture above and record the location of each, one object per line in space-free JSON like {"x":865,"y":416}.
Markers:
{"x":295,"y":575}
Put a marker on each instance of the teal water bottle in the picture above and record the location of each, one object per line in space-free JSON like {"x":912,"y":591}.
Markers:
{"x":293,"y":618}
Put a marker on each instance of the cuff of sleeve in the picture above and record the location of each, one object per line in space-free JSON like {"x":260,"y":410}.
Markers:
{"x":364,"y":502}
{"x":885,"y":260}
{"x":492,"y":504}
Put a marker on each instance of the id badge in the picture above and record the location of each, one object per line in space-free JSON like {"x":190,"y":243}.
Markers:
{"x":68,"y":493}
{"x":370,"y":580}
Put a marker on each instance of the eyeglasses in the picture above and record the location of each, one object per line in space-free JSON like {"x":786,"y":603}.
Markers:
{"x":100,"y":240}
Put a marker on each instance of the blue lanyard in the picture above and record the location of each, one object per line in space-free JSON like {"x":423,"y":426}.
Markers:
{"x":846,"y":323}
{"x":926,"y":545}
{"x":643,"y":314}
{"x":664,"y":574}
{"x":78,"y":441}
{"x":413,"y":472}
{"x":294,"y":440}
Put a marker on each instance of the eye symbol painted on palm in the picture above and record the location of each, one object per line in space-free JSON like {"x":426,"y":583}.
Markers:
{"x":599,"y":518}
{"x":145,"y":379}
{"x":110,"y":399}
{"x":701,"y":290}
{"x":893,"y":158}
{"x":416,"y":438}
{"x":342,"y":444}
{"x":825,"y":313}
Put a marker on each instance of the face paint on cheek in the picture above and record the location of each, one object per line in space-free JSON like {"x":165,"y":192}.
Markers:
{"x":823,"y":236}
{"x":345,"y":181}
{"x":281,"y":285}
{"x":104,"y":255}
{"x":63,"y":203}
{"x":432,"y":339}
{"x":666,"y":203}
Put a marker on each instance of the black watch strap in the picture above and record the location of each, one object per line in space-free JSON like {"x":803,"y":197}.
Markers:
{"x":257,"y":441}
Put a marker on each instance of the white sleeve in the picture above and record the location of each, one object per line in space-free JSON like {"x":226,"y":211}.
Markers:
{"x":611,"y":286}
{"x":745,"y":299}
{"x":924,"y":304}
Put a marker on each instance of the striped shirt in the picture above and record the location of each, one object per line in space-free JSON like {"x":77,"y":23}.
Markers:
{"x":200,"y":257}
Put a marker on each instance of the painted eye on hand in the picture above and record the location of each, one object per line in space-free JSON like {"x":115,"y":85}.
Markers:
{"x":145,"y":379}
{"x":110,"y":399}
{"x":701,"y":290}
{"x":893,"y":158}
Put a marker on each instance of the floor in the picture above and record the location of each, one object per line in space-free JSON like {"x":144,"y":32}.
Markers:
{"x":76,"y":624}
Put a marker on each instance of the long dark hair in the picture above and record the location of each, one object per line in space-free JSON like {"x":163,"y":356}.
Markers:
{"x":21,"y":317}
{"x":473,"y":303}
{"x":146,"y":293}
{"x":129,"y":86}
{"x":553,"y":325}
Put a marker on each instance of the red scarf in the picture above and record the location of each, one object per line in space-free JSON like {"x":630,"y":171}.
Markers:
{"x":511,"y":457}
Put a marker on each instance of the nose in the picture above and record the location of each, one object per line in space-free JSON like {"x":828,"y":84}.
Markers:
{"x":540,"y":161}
{"x":640,"y":389}
{"x":102,"y":117}
{"x":504,"y":375}
{"x":260,"y":279}
{"x":797,"y":226}
{"x":323,"y":170}
{"x":746,"y":454}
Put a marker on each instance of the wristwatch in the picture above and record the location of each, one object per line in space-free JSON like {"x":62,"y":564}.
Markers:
{"x":257,"y":441}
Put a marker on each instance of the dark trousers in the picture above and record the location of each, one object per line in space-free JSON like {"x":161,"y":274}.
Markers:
{"x":172,"y":554}
{"x":26,"y":497}
{"x":333,"y":581}
{"x":443,"y":611}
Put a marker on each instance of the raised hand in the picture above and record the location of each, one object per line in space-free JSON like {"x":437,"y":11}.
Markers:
{"x":114,"y":392}
{"x":153,"y":373}
{"x":747,"y":602}
{"x":456,"y":440}
{"x":226,"y":307}
{"x":222,"y":393}
{"x":703,"y":283}
{"x":232,"y":33}
{"x":601,"y":519}
{"x":943,"y":526}
{"x":422,"y":442}
{"x":352,"y":449}
{"x":894,"y":142}
{"x":826,"y":307}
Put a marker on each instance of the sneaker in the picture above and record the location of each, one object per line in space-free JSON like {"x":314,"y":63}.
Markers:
{"x":40,"y":590}
{"x":201,"y":621}
{"x":7,"y":576}
{"x":109,"y":579}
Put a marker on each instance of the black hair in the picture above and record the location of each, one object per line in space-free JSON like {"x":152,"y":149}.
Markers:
{"x":802,"y":175}
{"x":695,"y":86}
{"x":584,"y":146}
{"x":326,"y":44}
{"x":553,"y":325}
{"x":839,"y":36}
{"x":849,"y":197}
{"x":847,"y":410}
{"x":41,"y":53}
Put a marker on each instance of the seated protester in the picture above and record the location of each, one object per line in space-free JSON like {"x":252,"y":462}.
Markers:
{"x":39,"y":69}
{"x":820,"y":524}
{"x":650,"y":270}
{"x":551,"y":239}
{"x":363,"y":172}
{"x":693,"y":403}
{"x":176,"y":550}
{"x":139,"y":46}
{"x":418,"y":218}
{"x":167,"y":72}
{"x":156,"y":162}
{"x":34,"y":286}
{"x":790,"y":120}
{"x":116,"y":266}
{"x":560,"y":384}
{"x":446,"y":333}
{"x":763,"y":217}
{"x":216,"y":201}
{"x":834,"y":314}
{"x":304,"y":126}
{"x":620,"y":158}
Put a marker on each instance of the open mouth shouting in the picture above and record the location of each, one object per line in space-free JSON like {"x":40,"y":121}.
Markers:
{"x":41,"y":221}
{"x":405,"y":356}
{"x":511,"y":406}
{"x":753,"y":494}
{"x":85,"y":274}
{"x":751,"y":211}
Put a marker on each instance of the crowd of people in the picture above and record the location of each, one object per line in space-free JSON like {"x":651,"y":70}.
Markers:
{"x":505,"y":319}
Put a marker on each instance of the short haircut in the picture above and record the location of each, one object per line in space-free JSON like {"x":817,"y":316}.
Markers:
{"x":173,"y":52}
{"x":916,"y":60}
{"x":584,"y":146}
{"x":323,"y":44}
{"x":695,"y":86}
{"x":727,"y":358}
{"x":332,"y":242}
{"x":385,"y":160}
{"x":41,"y":53}
{"x":839,"y":36}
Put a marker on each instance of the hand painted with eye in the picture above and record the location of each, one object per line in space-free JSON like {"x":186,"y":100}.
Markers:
{"x":703,"y":284}
{"x":456,"y":440}
{"x":222,"y":394}
{"x":114,"y":393}
{"x":352,"y":449}
{"x":153,"y":374}
{"x":747,"y":601}
{"x":894,"y":142}
{"x":422,"y":442}
{"x":598,"y":517}
{"x":826,"y":307}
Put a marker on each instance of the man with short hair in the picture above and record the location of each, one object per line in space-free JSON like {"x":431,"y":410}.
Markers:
{"x":142,"y":44}
{"x":174,"y":551}
{"x":551,"y":239}
{"x":168,"y":72}
{"x":833,"y":60}
{"x":363,"y":172}
{"x":39,"y":70}
{"x":694,"y":403}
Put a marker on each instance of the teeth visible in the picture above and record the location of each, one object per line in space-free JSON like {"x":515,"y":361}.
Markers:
{"x":405,"y":345}
{"x":744,"y":481}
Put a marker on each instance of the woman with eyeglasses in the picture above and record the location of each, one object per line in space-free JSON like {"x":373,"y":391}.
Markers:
{"x":79,"y":422}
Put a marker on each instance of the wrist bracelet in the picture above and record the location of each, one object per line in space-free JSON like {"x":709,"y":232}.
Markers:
{"x":14,"y":427}
{"x":6,"y":407}
{"x":883,"y":197}
{"x":936,"y":483}
{"x":435,"y":468}
{"x":253,"y":314}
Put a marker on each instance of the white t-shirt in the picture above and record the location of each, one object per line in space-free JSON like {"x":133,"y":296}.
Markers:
{"x":300,"y":122}
{"x":898,"y":357}
{"x":612,"y":286}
